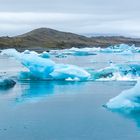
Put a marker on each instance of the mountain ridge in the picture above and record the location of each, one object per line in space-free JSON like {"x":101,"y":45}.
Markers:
{"x":46,"y":38}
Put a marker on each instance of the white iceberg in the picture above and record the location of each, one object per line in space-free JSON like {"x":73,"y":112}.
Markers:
{"x":83,"y":51}
{"x":30,"y":52}
{"x":128,"y":100}
{"x":123,"y":49}
{"x":76,"y":51}
{"x":14,"y":53}
{"x":10,"y":52}
{"x":43,"y":54}
{"x":63,"y":71}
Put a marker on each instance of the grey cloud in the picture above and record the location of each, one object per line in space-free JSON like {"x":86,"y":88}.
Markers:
{"x":79,"y":16}
{"x":76,"y":6}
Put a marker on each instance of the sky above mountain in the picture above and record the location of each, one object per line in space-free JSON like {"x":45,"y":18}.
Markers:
{"x":87,"y":17}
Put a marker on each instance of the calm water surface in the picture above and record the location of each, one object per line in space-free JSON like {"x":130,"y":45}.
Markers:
{"x":58,"y":110}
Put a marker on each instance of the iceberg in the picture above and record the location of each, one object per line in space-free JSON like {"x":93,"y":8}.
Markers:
{"x":40,"y":66}
{"x":76,"y":51}
{"x":6,"y":83}
{"x":10,"y":52}
{"x":14,"y":53}
{"x":63,"y":71}
{"x":44,"y":55}
{"x":30,"y":52}
{"x":82,"y":52}
{"x":117,"y":72}
{"x":127,"y":52}
{"x":128,"y":100}
{"x":46,"y":69}
{"x":120,"y":48}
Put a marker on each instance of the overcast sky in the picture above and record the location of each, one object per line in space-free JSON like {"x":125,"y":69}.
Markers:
{"x":96,"y":17}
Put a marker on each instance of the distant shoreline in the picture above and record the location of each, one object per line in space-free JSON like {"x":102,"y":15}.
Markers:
{"x":47,"y":39}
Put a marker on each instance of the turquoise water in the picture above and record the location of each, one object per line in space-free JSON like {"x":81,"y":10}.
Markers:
{"x":58,"y":110}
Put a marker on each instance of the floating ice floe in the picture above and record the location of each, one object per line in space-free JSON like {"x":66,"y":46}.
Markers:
{"x":13,"y":53}
{"x":122,"y":49}
{"x":76,"y":51}
{"x":126,"y":52}
{"x":44,"y":55}
{"x":83,"y":51}
{"x":128,"y":100}
{"x":30,"y":52}
{"x":6,"y":83}
{"x":9,"y":52}
{"x":118,"y":72}
{"x":46,"y":69}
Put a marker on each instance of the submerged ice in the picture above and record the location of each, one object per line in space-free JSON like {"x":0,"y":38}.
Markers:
{"x":6,"y":83}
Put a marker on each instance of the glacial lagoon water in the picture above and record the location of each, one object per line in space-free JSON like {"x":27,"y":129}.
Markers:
{"x":64,"y":110}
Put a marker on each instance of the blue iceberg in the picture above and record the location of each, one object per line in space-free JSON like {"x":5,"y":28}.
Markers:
{"x":42,"y":67}
{"x":46,"y":69}
{"x":44,"y":55}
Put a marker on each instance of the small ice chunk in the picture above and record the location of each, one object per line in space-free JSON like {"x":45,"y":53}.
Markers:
{"x":6,"y":83}
{"x":10,"y":52}
{"x":44,"y":55}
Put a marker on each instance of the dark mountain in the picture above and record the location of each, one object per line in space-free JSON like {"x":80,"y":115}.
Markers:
{"x":44,"y":38}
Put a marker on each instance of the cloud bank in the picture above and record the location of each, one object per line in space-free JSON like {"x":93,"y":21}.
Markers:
{"x":89,"y":17}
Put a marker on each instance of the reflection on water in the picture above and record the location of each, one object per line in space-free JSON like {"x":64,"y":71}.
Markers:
{"x":134,"y":116}
{"x":34,"y":91}
{"x":76,"y":107}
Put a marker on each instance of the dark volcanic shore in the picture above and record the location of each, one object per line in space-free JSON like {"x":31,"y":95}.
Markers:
{"x":46,"y":39}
